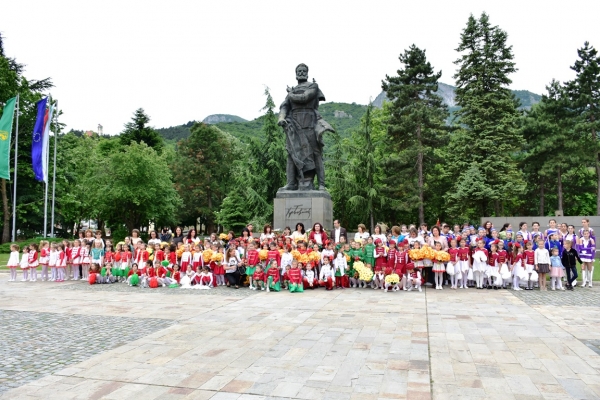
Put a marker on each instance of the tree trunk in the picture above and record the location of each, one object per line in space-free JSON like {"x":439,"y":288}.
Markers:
{"x":420,"y":177}
{"x":560,"y":190}
{"x":542,"y":213}
{"x":372,"y":220}
{"x":497,"y":208}
{"x":6,"y":226}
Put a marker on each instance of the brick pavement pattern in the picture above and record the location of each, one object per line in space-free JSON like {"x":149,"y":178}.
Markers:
{"x":342,"y":344}
{"x":36,"y":344}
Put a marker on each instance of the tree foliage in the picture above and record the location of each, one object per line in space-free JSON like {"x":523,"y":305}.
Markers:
{"x":489,"y":116}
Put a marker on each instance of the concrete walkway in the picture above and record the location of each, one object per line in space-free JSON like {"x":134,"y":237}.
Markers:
{"x":344,"y":344}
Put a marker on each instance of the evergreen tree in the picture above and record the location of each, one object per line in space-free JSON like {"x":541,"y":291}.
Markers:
{"x":417,"y":123}
{"x":138,"y":131}
{"x":584,"y":92}
{"x":234,"y":214}
{"x":336,"y":166}
{"x":365,"y":171}
{"x":548,"y":130}
{"x":273,"y":153}
{"x":489,"y":115}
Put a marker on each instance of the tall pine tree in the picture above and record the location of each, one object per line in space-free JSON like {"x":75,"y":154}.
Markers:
{"x":548,"y":130}
{"x":584,"y":92}
{"x":417,"y":123}
{"x":489,"y":115}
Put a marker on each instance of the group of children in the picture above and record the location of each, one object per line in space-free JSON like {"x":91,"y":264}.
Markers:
{"x":482,"y":259}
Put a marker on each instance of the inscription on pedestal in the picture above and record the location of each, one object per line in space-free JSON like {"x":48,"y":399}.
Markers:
{"x":307,"y":207}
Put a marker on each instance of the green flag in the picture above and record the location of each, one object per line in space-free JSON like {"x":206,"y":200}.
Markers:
{"x":6,"y":122}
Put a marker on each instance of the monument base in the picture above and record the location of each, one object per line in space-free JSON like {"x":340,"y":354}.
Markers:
{"x":306,"y":206}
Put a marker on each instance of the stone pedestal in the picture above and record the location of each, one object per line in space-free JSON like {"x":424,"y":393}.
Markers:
{"x":306,"y":206}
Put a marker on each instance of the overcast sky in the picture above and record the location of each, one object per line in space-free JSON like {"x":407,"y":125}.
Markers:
{"x":184,"y":60}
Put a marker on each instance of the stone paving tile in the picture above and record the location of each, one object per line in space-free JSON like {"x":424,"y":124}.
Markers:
{"x":580,"y":296}
{"x":124,"y":288}
{"x":37,"y":344}
{"x":497,"y":346}
{"x":340,"y":344}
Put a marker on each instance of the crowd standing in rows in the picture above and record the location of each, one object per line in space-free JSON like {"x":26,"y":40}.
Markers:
{"x":403,"y":259}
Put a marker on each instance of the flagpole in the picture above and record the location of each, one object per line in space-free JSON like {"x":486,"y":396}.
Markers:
{"x":47,"y":150}
{"x":54,"y":175}
{"x":14,"y":211}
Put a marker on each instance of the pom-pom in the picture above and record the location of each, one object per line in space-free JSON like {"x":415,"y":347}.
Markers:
{"x":303,"y":258}
{"x":153,"y":283}
{"x":315,"y":256}
{"x":174,"y":285}
{"x":392,"y":278}
{"x":134,"y":280}
{"x":207,"y":255}
{"x":347,"y":258}
{"x":364,"y":273}
{"x":92,"y":279}
{"x":263,"y":254}
{"x":223,"y":236}
{"x":296,"y":254}
{"x":281,"y":251}
{"x":164,"y":263}
{"x":216,"y":257}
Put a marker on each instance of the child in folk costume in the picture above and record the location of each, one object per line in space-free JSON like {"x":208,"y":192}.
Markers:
{"x":44,"y":258}
{"x":133,"y":277}
{"x":33,"y":262}
{"x":542,"y":263}
{"x":310,"y":280}
{"x":126,"y":261}
{"x":327,"y":251}
{"x":252,"y":261}
{"x":392,"y":255}
{"x":492,"y":266}
{"x":438,"y":269}
{"x":216,"y":266}
{"x":141,"y":255}
{"x":273,"y":277}
{"x":380,"y":254}
{"x":388,"y":272}
{"x":552,"y":230}
{"x":464,"y":259}
{"x":24,"y":264}
{"x":529,"y":262}
{"x":454,"y":264}
{"x":587,"y":251}
{"x":159,"y":255}
{"x":259,"y":278}
{"x":175,"y":274}
{"x":61,"y":263}
{"x":273,"y":254}
{"x":557,"y":270}
{"x":67,"y":248}
{"x":378,"y":281}
{"x":369,"y":251}
{"x":186,"y":258}
{"x":504,"y":256}
{"x":197,"y":260}
{"x":109,"y":255}
{"x":149,"y":273}
{"x":85,"y":260}
{"x":326,"y":275}
{"x":401,"y":262}
{"x":204,"y":277}
{"x":109,"y":277}
{"x":295,"y":278}
{"x":517,"y":265}
{"x":414,"y":277}
{"x":13,"y":262}
{"x":480,"y":257}
{"x":340,"y":265}
{"x":286,"y":263}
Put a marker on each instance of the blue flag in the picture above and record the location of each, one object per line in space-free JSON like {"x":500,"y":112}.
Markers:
{"x":37,"y":144}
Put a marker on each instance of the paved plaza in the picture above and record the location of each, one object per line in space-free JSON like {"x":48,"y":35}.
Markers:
{"x":76,"y":341}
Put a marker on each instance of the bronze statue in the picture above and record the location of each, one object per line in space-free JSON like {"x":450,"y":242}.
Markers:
{"x":304,"y":128}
